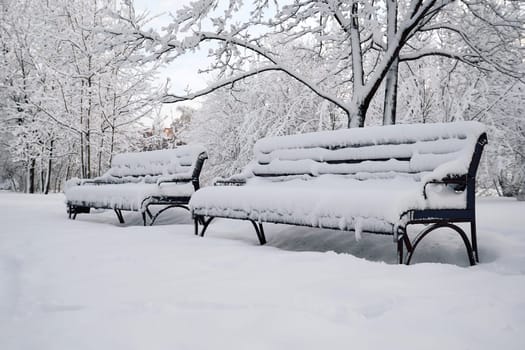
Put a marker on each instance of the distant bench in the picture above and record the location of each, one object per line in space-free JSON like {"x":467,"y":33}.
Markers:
{"x":137,"y":181}
{"x":375,"y":179}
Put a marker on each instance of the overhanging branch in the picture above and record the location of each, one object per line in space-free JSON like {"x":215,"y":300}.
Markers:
{"x":276,"y":66}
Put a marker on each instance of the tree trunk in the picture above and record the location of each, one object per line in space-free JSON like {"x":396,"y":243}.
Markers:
{"x":49,"y":167}
{"x":41,"y":177}
{"x":357,"y":114}
{"x":99,"y":154}
{"x":68,"y":169}
{"x":521,"y":194}
{"x":88,"y":152}
{"x":82,"y":159}
{"x":30,"y":186}
{"x":14,"y":187}
{"x":357,"y":119}
{"x":357,"y":54}
{"x":112,"y":145}
{"x":88,"y":121}
{"x":390,"y":106}
{"x":391,"y":82}
{"x":58,"y":173}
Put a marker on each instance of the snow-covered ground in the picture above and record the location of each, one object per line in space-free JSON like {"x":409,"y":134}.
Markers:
{"x":95,"y":284}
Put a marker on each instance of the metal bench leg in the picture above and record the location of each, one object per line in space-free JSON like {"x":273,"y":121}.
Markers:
{"x":149,"y":213}
{"x":259,"y":231}
{"x":474,"y":239}
{"x":262,"y":237}
{"x":206,"y":223}
{"x":403,"y":241}
{"x":435,"y":226}
{"x":198,"y":219}
{"x":72,"y":211}
{"x":119,"y":215}
{"x":196,"y":222}
{"x":144,"y":219}
{"x":146,"y":211}
{"x":400,"y":250}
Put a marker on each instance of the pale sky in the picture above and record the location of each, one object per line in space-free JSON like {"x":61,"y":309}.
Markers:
{"x":183,"y":72}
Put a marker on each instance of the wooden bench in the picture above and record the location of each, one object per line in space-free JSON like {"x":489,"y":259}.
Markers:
{"x":375,"y":180}
{"x":137,"y":181}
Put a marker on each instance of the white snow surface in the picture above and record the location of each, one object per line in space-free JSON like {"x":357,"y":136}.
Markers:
{"x":95,"y":284}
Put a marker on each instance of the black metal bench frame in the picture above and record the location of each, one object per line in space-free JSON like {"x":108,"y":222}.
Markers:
{"x":433,"y":219}
{"x":167,"y":201}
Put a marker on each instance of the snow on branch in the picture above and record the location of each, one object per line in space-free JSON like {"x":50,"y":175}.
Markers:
{"x":343,"y":37}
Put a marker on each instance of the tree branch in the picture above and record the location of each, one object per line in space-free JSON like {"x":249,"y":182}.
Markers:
{"x":169,"y":98}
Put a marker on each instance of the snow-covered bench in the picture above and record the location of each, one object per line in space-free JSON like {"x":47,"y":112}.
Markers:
{"x":136,"y":181}
{"x":375,"y":179}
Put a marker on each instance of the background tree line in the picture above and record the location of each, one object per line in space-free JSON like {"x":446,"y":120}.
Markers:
{"x":283,"y":67}
{"x":70,"y":96}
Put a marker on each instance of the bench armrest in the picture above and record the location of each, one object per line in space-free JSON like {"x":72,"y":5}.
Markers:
{"x":80,"y":182}
{"x":95,"y":181}
{"x":229,"y":182}
{"x":175,"y":179}
{"x":180,"y":181}
{"x":459,"y":183}
{"x":238,"y":179}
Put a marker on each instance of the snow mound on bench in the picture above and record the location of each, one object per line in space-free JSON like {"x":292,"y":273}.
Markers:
{"x":312,"y":179}
{"x":373,"y":135}
{"x":179,"y":160}
{"x":133,"y":177}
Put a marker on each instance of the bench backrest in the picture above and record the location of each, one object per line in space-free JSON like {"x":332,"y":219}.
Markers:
{"x":184,"y":160}
{"x":415,"y":150}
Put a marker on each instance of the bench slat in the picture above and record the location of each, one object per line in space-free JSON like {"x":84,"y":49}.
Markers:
{"x":363,"y":153}
{"x":370,"y":136}
{"x":404,"y":158}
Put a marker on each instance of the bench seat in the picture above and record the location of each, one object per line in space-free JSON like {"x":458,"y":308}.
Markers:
{"x":328,"y":201}
{"x":126,"y":196}
{"x":375,"y":179}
